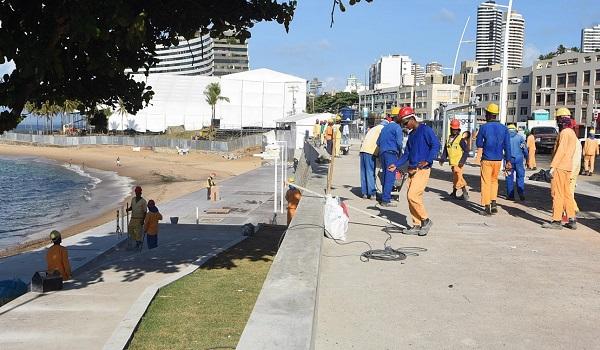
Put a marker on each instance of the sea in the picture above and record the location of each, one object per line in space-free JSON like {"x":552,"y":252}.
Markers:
{"x":39,"y":195}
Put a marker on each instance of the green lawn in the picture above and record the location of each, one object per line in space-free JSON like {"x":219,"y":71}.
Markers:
{"x":209,"y":308}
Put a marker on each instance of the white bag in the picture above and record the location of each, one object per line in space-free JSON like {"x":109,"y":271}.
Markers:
{"x":336,"y":222}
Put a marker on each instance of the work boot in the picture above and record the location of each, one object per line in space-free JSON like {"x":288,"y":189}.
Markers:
{"x":487,"y":211}
{"x":572,"y":224}
{"x":521,"y":197}
{"x":425,"y":227}
{"x":554,"y":225}
{"x":453,"y":194}
{"x":494,"y":207}
{"x":590,"y":173}
{"x":364,"y":196}
{"x":512,"y":198}
{"x":465,"y":194}
{"x":389,"y":204}
{"x":415,"y":230}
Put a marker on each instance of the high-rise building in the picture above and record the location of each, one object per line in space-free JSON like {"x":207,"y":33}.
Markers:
{"x":230,"y":56}
{"x":433,"y":67}
{"x":314,"y":87}
{"x":490,"y":26}
{"x":590,"y":39}
{"x":353,"y":84}
{"x":392,"y":70}
{"x":418,"y":73}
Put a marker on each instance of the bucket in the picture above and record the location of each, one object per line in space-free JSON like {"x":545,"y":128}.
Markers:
{"x":174,"y":219}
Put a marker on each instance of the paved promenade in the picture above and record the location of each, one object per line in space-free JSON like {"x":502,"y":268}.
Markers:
{"x":482,"y":283}
{"x":106,"y":297}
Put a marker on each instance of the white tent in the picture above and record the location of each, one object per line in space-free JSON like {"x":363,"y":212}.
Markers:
{"x":303,"y":123}
{"x":256,"y":99}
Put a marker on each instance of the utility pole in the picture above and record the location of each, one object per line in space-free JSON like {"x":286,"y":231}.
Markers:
{"x":293,"y":89}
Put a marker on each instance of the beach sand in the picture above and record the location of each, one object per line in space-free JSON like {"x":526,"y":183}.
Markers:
{"x":162,"y":175}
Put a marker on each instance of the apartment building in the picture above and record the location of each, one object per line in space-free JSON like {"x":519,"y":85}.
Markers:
{"x":518,"y":108}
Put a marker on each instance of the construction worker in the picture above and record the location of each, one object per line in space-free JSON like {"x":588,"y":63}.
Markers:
{"x":456,"y":152}
{"x":316,"y":132}
{"x":519,"y":153}
{"x":422,"y":148}
{"x":561,"y":170}
{"x":329,"y":137}
{"x":322,"y":131}
{"x":337,"y":136}
{"x":212,"y":190}
{"x":57,"y":257}
{"x":390,"y":149}
{"x":590,"y":151}
{"x":493,"y":143}
{"x":368,"y":157}
{"x":531,"y":163}
{"x":138,"y":209}
{"x":292,"y":196}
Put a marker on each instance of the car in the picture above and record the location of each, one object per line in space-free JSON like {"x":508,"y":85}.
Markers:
{"x":545,"y":137}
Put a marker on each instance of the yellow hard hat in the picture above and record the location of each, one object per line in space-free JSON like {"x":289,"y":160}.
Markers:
{"x":330,"y":120}
{"x":337,"y":117}
{"x":54,"y":235}
{"x":395,"y":111}
{"x":563,"y":112}
{"x":512,"y":127}
{"x":492,"y":108}
{"x":291,"y":180}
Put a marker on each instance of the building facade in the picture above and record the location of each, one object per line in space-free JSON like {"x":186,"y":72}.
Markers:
{"x":418,"y":74}
{"x":590,"y":39}
{"x":433,"y":67}
{"x":516,"y":39}
{"x":388,"y":71}
{"x":518,"y":108}
{"x":230,"y":56}
{"x":570,"y":80}
{"x":353,"y":84}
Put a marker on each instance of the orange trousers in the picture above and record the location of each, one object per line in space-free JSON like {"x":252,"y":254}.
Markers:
{"x":588,"y":163}
{"x":531,"y":160}
{"x":458,"y":179}
{"x":490,"y":169}
{"x":562,"y":195}
{"x":290,"y":215}
{"x":416,"y":188}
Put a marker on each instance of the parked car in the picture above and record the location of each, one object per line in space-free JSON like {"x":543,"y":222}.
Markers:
{"x":545,"y":137}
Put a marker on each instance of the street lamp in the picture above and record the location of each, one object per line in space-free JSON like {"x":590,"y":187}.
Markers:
{"x":460,"y":42}
{"x":504,"y":86}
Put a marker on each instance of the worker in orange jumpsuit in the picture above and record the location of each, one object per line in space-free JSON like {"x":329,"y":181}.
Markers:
{"x":456,"y":152}
{"x":329,"y":137}
{"x":57,"y":257}
{"x":590,"y":151}
{"x":531,"y":164}
{"x":292,"y":196}
{"x":561,"y":170}
{"x":317,"y":132}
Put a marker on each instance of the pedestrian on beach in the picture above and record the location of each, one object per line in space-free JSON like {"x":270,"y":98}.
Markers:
{"x":292,"y":196}
{"x":57,"y":257}
{"x":212,"y":190}
{"x":518,"y":155}
{"x":151,"y":225}
{"x":118,"y":161}
{"x":138,"y":209}
{"x":422,"y":148}
{"x":368,"y":158}
{"x":390,"y":143}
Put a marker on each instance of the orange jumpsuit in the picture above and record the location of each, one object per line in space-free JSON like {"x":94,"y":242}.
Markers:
{"x":292,"y":196}
{"x":590,"y":151}
{"x":531,"y":151}
{"x":57,"y":259}
{"x":562,"y":163}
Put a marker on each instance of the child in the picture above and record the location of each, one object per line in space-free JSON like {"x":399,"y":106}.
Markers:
{"x":57,"y":257}
{"x":151,"y":225}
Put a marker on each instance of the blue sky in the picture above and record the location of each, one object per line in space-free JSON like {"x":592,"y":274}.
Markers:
{"x":426,"y":30}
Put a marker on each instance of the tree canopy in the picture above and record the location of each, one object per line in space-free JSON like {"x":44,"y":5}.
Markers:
{"x":79,"y":50}
{"x":559,"y":51}
{"x":331,"y":103}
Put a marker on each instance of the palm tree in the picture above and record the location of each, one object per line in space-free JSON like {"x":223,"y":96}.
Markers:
{"x":213,"y":95}
{"x":68,"y":107}
{"x":122,"y":111}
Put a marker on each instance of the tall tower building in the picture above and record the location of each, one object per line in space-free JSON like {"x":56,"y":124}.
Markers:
{"x":590,"y":39}
{"x":230,"y":56}
{"x":433,"y":67}
{"x":491,"y":22}
{"x":418,"y":73}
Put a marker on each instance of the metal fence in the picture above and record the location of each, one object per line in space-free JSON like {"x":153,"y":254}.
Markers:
{"x":138,"y":141}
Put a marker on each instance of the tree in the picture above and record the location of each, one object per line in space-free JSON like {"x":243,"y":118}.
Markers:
{"x":121,"y":111}
{"x":213,"y":95}
{"x":79,"y":50}
{"x":559,"y":51}
{"x":333,"y":103}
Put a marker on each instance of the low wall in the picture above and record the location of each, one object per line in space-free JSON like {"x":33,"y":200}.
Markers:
{"x":284,"y":316}
{"x":135,"y":141}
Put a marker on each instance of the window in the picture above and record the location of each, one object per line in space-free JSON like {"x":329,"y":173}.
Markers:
{"x":562,"y":63}
{"x":571,"y":98}
{"x":572,"y":79}
{"x":572,"y":110}
{"x":597,"y":76}
{"x":524,"y":111}
{"x":485,"y":97}
{"x":547,"y":100}
{"x":549,"y":64}
{"x":597,"y":94}
{"x":478,"y":111}
{"x":587,"y":59}
{"x":538,"y":82}
{"x":560,"y":98}
{"x":511,"y":110}
{"x":524,"y":95}
{"x":584,"y":116}
{"x":512,"y":96}
{"x":525,"y":79}
{"x":586,"y":78}
{"x":548,"y":80}
{"x":538,"y":99}
{"x":561,"y":80}
{"x":495,"y":96}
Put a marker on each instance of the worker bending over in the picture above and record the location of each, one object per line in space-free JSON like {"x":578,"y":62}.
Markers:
{"x":493,"y":143}
{"x":390,"y":149}
{"x":292,"y":196}
{"x":57,"y":257}
{"x":422,"y":148}
{"x":518,"y":154}
{"x":456,"y":152}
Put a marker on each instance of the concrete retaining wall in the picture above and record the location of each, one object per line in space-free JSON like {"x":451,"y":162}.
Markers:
{"x":142,"y":141}
{"x":284,"y":316}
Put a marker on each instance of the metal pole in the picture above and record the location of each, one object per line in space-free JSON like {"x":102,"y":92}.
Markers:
{"x":456,"y":57}
{"x":275,"y":188}
{"x":282,"y":178}
{"x":504,"y":86}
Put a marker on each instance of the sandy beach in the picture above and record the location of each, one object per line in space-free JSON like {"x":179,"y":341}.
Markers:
{"x":163,"y":176}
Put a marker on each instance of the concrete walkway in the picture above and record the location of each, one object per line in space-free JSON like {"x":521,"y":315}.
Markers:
{"x":85,"y":315}
{"x":482,"y":283}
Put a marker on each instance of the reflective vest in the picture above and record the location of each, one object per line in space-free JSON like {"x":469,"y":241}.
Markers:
{"x":455,"y":152}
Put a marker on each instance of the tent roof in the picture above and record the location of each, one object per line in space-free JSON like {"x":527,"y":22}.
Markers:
{"x":264,"y":74}
{"x":303,"y":116}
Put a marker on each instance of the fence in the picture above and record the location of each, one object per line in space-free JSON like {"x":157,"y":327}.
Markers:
{"x":137,"y":141}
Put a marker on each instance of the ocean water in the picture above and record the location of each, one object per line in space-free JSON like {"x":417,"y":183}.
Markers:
{"x":37,"y":196}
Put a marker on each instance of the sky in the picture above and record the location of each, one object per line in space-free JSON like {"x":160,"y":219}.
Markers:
{"x":425,"y":30}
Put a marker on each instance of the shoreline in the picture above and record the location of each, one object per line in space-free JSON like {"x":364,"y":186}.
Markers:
{"x":163,"y":176}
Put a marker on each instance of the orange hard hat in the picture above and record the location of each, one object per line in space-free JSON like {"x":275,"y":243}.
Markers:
{"x":455,"y":124}
{"x":406,"y":112}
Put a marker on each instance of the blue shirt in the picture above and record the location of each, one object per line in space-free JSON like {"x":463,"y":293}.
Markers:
{"x":493,"y":137}
{"x":390,"y":138}
{"x":422,"y":145}
{"x":518,"y":147}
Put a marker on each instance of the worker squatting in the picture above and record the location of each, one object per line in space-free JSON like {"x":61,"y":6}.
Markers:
{"x":498,"y":147}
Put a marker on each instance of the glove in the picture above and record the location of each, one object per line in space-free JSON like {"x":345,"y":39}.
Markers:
{"x":552,"y":171}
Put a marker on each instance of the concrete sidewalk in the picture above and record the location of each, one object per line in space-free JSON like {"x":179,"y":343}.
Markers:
{"x":482,"y":283}
{"x":87,"y":312}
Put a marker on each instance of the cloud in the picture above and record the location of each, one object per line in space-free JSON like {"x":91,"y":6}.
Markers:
{"x":6,"y":68}
{"x":305,"y":49}
{"x":445,"y":15}
{"x":530,"y":54}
